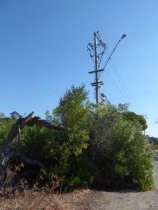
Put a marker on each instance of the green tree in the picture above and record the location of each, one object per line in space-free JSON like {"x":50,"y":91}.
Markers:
{"x":14,"y":115}
{"x":136,"y":118}
{"x":2,"y":115}
{"x":73,"y":113}
{"x":132,"y":116}
{"x":121,"y":155}
{"x":5,"y":126}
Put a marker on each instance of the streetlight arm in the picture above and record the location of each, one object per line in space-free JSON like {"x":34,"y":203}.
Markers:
{"x":122,"y":37}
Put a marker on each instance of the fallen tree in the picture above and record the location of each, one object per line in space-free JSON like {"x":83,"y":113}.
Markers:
{"x":7,"y":152}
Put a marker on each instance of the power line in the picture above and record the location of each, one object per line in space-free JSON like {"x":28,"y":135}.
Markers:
{"x":120,"y":82}
{"x":124,"y":86}
{"x":118,"y":88}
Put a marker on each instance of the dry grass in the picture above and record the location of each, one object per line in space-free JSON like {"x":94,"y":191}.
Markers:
{"x":83,"y":199}
{"x":30,"y":200}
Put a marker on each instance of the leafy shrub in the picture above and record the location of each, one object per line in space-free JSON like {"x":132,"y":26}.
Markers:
{"x":73,"y":113}
{"x":122,"y":157}
{"x":5,"y":126}
{"x":103,"y":146}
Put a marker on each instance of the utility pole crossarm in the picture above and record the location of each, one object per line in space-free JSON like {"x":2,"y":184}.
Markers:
{"x":98,"y":70}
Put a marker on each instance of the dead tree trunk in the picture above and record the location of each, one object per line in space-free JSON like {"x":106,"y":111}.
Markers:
{"x":7,"y":153}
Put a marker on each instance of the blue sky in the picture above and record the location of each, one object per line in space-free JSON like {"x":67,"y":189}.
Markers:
{"x":43,"y":52}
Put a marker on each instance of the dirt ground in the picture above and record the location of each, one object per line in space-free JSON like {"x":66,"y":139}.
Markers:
{"x":83,"y":200}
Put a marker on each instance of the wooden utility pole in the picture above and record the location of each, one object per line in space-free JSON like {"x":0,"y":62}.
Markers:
{"x":96,"y":50}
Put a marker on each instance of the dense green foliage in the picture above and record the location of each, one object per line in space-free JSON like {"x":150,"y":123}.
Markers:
{"x":123,"y":158}
{"x":5,"y":125}
{"x":73,"y":112}
{"x":103,"y":145}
